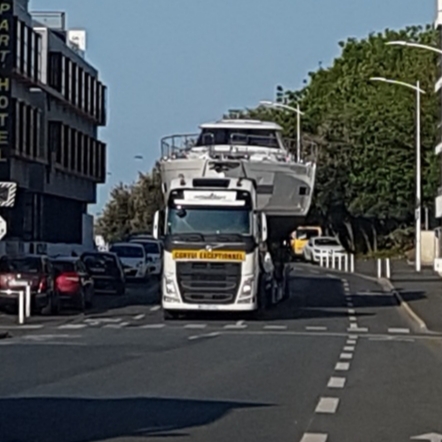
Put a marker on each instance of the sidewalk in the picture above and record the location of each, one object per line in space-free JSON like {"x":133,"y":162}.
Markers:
{"x":421,"y":291}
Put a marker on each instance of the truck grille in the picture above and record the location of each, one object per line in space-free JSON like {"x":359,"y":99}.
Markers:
{"x":208,"y":282}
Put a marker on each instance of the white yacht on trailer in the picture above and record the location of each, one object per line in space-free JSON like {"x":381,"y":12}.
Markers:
{"x":245,"y":149}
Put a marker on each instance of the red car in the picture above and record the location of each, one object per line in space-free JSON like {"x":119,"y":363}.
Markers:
{"x":73,"y":282}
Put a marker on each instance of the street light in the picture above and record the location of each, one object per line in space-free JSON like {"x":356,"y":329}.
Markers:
{"x":410,"y":44}
{"x":298,"y":113}
{"x":418,"y":214}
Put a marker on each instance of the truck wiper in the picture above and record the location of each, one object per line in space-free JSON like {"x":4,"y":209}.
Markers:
{"x":187,"y":237}
{"x":225,"y":237}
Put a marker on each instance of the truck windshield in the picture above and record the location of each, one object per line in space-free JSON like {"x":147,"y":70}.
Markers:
{"x":209,"y":221}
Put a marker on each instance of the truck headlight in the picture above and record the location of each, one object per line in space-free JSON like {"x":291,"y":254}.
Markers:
{"x":247,"y":288}
{"x":170,"y":293}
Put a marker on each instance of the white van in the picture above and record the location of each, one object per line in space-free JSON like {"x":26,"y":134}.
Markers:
{"x":133,"y":257}
{"x":154,"y":252}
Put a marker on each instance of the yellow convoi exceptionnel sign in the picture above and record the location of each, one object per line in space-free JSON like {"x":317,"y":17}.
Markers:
{"x":218,"y":255}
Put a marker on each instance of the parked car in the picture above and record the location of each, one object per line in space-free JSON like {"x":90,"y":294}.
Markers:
{"x":73,"y":282}
{"x":133,"y":257}
{"x":106,"y":271}
{"x":154,"y":252}
{"x":325,"y":245}
{"x":37,"y":271}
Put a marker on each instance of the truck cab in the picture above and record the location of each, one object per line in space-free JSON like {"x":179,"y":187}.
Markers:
{"x":212,"y":256}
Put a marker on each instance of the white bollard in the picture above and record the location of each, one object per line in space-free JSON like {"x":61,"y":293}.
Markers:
{"x":387,"y":268}
{"x":21,"y":307}
{"x":28,"y":301}
{"x":352,"y":263}
{"x":346,"y":262}
{"x":379,"y":268}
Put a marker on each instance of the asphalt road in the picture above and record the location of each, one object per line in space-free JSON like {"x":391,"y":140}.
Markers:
{"x":337,"y":362}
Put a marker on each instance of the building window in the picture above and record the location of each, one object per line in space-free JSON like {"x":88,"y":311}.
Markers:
{"x":74,"y":84}
{"x":93,"y":92}
{"x":18,"y":127}
{"x":55,"y":139}
{"x":38,"y":153}
{"x":31,"y":139}
{"x":18,"y":45}
{"x":55,"y":70}
{"x":73,"y":150}
{"x":102,"y":170}
{"x":24,"y":36}
{"x":31,"y":52}
{"x":66,"y":146}
{"x":68,"y":75}
{"x":81,"y":88}
{"x":87,"y":92}
{"x":38,"y":58}
{"x":87,"y":156}
{"x":78,"y":157}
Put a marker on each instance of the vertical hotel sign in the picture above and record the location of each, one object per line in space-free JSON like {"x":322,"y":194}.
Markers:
{"x":6,"y":66}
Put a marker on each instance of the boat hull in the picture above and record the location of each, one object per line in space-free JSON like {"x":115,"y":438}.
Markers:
{"x":284,"y":189}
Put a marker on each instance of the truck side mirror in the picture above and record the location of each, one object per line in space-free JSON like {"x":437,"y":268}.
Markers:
{"x":264,"y":232}
{"x":156,"y":225}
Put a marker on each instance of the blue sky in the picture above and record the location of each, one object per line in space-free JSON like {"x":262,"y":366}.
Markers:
{"x":173,"y":64}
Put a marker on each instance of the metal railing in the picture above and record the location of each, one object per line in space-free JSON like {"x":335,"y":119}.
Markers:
{"x":180,"y":145}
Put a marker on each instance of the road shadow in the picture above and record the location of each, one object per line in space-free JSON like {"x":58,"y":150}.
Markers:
{"x":86,"y":420}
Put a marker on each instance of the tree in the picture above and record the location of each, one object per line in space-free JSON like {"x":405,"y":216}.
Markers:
{"x":366,"y":167}
{"x":131,"y":208}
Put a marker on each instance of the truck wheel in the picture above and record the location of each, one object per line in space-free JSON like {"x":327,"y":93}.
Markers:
{"x":169,"y":315}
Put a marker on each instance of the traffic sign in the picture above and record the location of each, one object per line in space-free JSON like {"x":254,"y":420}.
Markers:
{"x":3,"y":228}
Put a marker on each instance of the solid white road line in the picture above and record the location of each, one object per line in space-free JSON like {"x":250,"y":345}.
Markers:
{"x":342,"y":366}
{"x":327,"y":405}
{"x":195,"y":326}
{"x":22,"y":327}
{"x":314,"y":328}
{"x":155,"y":308}
{"x":335,"y":382}
{"x":207,"y":335}
{"x":399,"y":330}
{"x":346,"y":356}
{"x":314,"y":437}
{"x":349,"y":348}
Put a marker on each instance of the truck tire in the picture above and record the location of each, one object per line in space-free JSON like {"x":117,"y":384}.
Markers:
{"x":169,"y":315}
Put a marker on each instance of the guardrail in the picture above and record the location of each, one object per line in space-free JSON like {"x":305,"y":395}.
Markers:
{"x":337,"y":261}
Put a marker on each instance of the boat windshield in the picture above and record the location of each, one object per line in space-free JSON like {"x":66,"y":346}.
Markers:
{"x":232,"y":220}
{"x":241,"y":137}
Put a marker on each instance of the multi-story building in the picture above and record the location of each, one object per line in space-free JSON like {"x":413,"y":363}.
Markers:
{"x":52,"y":104}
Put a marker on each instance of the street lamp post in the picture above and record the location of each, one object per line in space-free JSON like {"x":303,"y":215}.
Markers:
{"x":418,"y":204}
{"x":298,"y":112}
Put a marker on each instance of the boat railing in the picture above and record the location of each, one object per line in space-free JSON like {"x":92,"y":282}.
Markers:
{"x":179,"y":146}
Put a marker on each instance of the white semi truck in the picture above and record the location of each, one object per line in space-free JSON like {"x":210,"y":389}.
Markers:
{"x":215,"y":256}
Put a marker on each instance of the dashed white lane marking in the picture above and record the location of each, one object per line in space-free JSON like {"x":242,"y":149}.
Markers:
{"x":314,"y":328}
{"x":195,"y":326}
{"x":72,"y":326}
{"x":22,"y":327}
{"x":239,"y":324}
{"x":399,"y":330}
{"x":314,"y":437}
{"x":327,"y":405}
{"x":336,"y":382}
{"x":342,"y":366}
{"x":207,"y":335}
{"x":139,"y":317}
{"x":349,"y":348}
{"x":346,"y":356}
{"x":355,"y":328}
{"x":155,"y":308}
{"x":275,"y":327}
{"x":123,"y":324}
{"x":353,"y":318}
{"x":353,"y":336}
{"x":350,"y":304}
{"x":351,"y":342}
{"x":351,"y":311}
{"x":153,"y":326}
